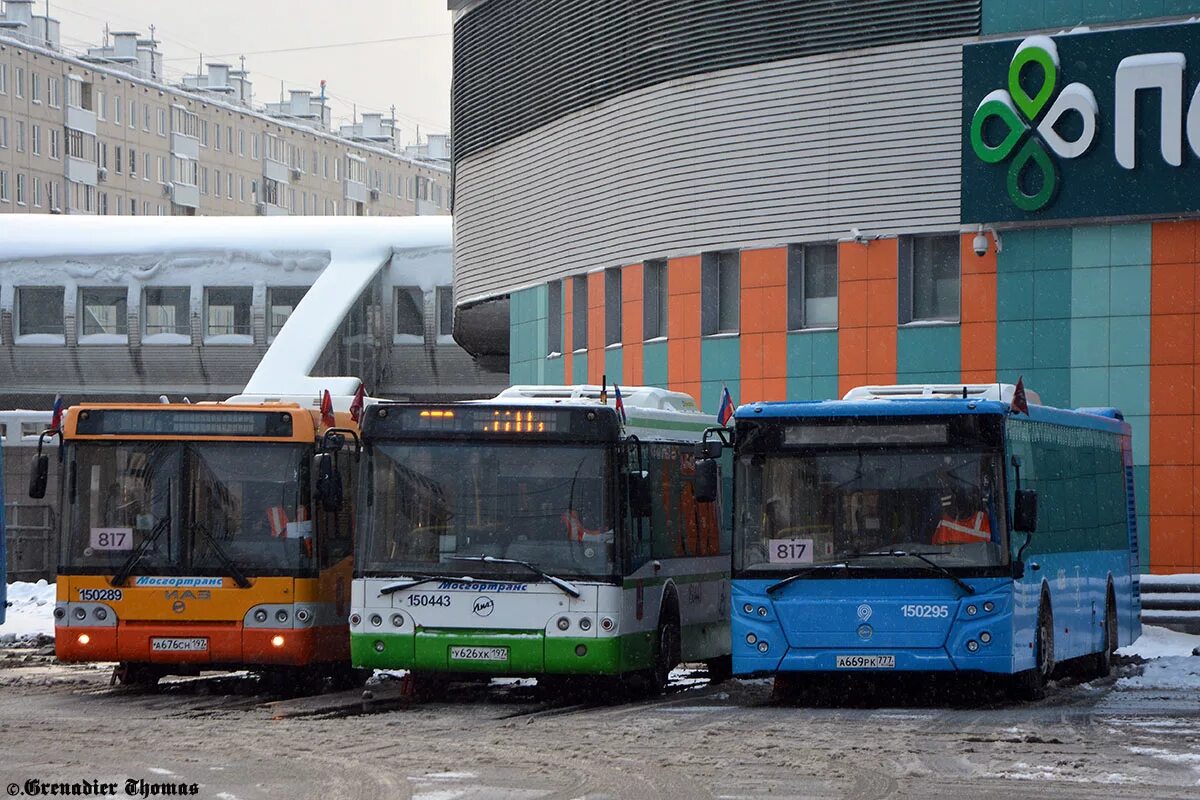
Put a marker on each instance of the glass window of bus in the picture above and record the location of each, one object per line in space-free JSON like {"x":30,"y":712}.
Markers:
{"x":434,"y":501}
{"x":246,"y":506}
{"x":124,"y":495}
{"x":335,"y":534}
{"x":167,"y":310}
{"x":681,"y":526}
{"x":825,"y":506}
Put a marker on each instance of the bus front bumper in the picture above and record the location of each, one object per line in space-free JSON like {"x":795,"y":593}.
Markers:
{"x":224,"y":644}
{"x":517,"y":653}
{"x":872,"y":660}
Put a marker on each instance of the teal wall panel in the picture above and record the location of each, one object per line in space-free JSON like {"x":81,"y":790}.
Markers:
{"x":928,"y":354}
{"x":812,"y":365}
{"x":614,"y":362}
{"x":1012,"y":16}
{"x":579,"y":368}
{"x":654,"y":364}
{"x":720,"y":365}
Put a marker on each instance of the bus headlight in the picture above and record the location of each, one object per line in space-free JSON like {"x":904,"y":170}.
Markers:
{"x":985,"y":637}
{"x":397,"y":620}
{"x":356,"y":619}
{"x":989,"y":606}
{"x":972,"y":645}
{"x":751,"y":638}
{"x":302,"y":615}
{"x":60,"y":613}
{"x":972,"y":610}
{"x":79,"y":613}
{"x":376,"y":620}
{"x":277,"y":641}
{"x":84,"y":638}
{"x":281,"y":615}
{"x":585,"y":624}
{"x":763,"y":647}
{"x":379,"y":646}
{"x":762,"y":611}
{"x":100,"y":614}
{"x":748,"y":608}
{"x":563,"y":623}
{"x":606,"y":624}
{"x":260,"y":615}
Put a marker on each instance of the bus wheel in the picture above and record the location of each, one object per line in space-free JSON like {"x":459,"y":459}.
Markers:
{"x":1103,"y":662}
{"x":143,"y":675}
{"x":719,"y":669}
{"x":667,"y":652}
{"x":1031,"y":684}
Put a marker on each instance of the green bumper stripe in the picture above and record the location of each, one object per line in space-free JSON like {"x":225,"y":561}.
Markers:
{"x":529,"y":652}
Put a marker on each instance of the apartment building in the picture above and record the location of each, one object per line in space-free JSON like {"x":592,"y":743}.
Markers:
{"x":102,"y":132}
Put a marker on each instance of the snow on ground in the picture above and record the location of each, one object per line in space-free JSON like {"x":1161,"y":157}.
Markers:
{"x":1171,"y":664}
{"x":31,"y":612}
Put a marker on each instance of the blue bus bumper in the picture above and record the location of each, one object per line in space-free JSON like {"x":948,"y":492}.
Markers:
{"x":872,"y":625}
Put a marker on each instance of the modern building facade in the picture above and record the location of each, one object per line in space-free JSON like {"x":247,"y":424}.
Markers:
{"x":103,"y":132}
{"x":794,"y":198}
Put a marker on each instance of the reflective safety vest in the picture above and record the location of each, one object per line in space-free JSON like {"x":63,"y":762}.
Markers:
{"x":578,"y":532}
{"x":975,"y":528}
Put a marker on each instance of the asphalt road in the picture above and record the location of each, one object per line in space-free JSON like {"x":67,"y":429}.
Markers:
{"x":228,"y":740}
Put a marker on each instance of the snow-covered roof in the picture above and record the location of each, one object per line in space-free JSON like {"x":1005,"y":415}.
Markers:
{"x":357,"y":248}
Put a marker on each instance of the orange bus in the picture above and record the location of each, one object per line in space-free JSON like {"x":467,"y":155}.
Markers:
{"x":203,"y":537}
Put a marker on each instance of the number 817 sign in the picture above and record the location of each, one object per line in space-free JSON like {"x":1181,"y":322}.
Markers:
{"x":790,"y":551}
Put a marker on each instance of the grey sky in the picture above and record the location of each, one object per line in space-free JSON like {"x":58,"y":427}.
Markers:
{"x":414,"y":75}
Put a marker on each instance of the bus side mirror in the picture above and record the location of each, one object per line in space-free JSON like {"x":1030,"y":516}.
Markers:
{"x":329,"y":482}
{"x":639,"y":493}
{"x":704,"y":486}
{"x":38,"y":475}
{"x":708,"y":450}
{"x":1025,"y":512}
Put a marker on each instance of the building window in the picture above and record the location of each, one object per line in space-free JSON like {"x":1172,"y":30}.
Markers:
{"x":579,"y":312}
{"x":654,"y":300}
{"x":4,"y":187}
{"x":445,"y":311}
{"x":52,"y":88}
{"x":39,"y":310}
{"x":281,"y":302}
{"x":55,"y":151}
{"x":241,"y":142}
{"x":35,"y":87}
{"x":4,"y":133}
{"x":133,"y":162}
{"x":20,"y":136}
{"x":101,"y":107}
{"x":162,"y":122}
{"x":3,"y":78}
{"x":20,"y":188}
{"x":117,"y":162}
{"x":103,"y":310}
{"x":146,"y":117}
{"x":812,"y":296}
{"x":37,"y":192}
{"x":410,"y":311}
{"x":612,"y":305}
{"x":35,"y":139}
{"x":254,"y":146}
{"x":554,"y":315}
{"x":227,"y":311}
{"x":929,"y":278}
{"x":720,"y":292}
{"x":166,"y":311}
{"x":20,"y":81}
{"x":79,"y":94}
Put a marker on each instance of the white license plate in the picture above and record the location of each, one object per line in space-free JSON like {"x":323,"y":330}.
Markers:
{"x":479,"y":653}
{"x":866,"y":662}
{"x":178,"y":645}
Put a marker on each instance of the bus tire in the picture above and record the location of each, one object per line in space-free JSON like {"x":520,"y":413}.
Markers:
{"x":667,"y":644}
{"x":1103,"y":662}
{"x":1031,"y":684}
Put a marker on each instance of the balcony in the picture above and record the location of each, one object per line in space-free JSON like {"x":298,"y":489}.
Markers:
{"x":80,"y":119}
{"x":79,"y":171}
{"x":185,"y":146}
{"x":276,"y":171}
{"x":184,"y":195}
{"x":356,"y":191}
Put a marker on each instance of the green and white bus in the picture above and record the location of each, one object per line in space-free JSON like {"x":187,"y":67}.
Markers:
{"x":540,"y":533}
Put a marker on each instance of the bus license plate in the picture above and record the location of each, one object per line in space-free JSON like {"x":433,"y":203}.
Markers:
{"x":866,"y":662}
{"x":163,"y":645}
{"x":479,"y":653}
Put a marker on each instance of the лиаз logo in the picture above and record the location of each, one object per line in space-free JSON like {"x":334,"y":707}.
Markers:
{"x":1022,"y":119}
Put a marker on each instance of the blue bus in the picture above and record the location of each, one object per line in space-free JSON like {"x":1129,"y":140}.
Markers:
{"x":930,"y":529}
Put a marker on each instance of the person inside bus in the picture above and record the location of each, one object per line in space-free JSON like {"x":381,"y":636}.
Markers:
{"x":966,"y":516}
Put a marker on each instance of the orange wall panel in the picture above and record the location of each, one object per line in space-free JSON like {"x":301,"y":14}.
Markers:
{"x":595,"y":284}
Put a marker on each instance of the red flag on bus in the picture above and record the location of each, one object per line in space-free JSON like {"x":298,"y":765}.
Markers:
{"x":327,"y":418}
{"x":1019,"y":403}
{"x":356,"y":405}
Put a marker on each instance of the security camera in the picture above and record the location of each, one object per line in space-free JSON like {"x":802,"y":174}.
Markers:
{"x":856,"y":234}
{"x":979,"y":244}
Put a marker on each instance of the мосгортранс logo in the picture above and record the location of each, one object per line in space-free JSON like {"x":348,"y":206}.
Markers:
{"x":1032,"y":176}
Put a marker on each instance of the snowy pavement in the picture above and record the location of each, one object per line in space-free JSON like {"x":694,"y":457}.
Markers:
{"x":31,"y":614}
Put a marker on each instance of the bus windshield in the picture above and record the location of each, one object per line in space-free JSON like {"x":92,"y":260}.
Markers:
{"x":188,"y":506}
{"x":859,"y":505}
{"x":547,"y":504}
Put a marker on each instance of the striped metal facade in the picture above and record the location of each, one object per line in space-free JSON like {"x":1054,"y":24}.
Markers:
{"x":797,"y":150}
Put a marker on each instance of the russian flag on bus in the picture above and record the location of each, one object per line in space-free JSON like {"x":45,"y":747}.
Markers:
{"x":725,"y":410}
{"x":56,"y":413}
{"x":618,"y":402}
{"x":327,"y":418}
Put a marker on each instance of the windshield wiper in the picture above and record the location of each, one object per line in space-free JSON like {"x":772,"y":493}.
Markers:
{"x":416,"y":580}
{"x":123,"y":573}
{"x":936,"y":567}
{"x":566,"y":586}
{"x":795,"y":576}
{"x":238,"y":576}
